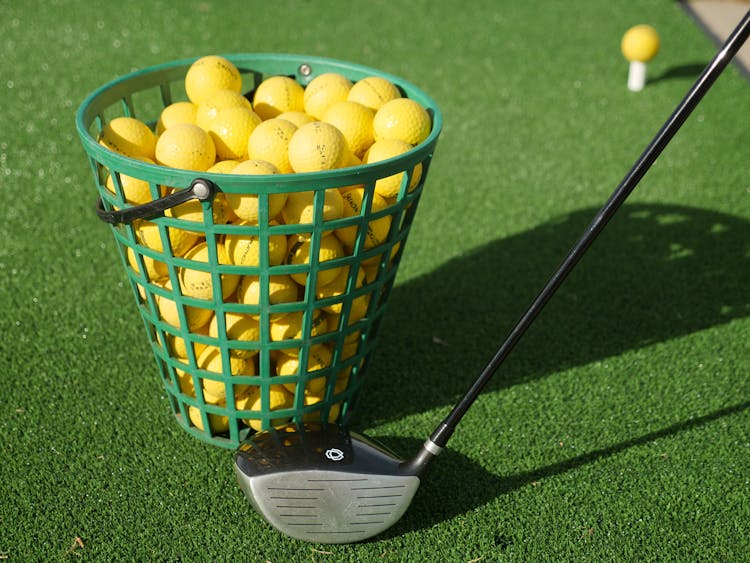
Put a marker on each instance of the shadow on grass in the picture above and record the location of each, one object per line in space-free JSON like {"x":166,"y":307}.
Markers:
{"x":657,"y":272}
{"x":454,"y":484}
{"x":692,"y":71}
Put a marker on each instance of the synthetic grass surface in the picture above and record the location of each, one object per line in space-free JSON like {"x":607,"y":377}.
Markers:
{"x":619,"y":429}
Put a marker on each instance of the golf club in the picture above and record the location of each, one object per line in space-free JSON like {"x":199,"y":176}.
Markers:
{"x":322,"y":483}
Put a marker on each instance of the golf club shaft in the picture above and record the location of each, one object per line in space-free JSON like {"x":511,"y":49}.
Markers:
{"x":704,"y":82}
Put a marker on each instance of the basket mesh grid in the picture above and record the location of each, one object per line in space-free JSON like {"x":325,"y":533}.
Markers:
{"x":312,"y":349}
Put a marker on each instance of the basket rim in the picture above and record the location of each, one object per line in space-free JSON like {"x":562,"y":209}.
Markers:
{"x":236,"y":183}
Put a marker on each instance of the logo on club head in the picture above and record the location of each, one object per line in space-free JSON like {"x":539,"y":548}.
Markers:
{"x":334,"y":454}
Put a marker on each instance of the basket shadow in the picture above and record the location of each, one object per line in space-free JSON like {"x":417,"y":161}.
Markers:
{"x":454,"y":484}
{"x":657,"y":272}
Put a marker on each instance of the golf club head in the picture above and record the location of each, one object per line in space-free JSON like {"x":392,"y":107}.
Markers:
{"x":322,"y":483}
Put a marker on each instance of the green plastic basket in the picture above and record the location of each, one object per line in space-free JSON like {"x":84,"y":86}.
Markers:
{"x":330,"y":335}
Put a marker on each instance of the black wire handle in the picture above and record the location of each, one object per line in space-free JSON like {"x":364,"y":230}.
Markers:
{"x":704,"y":82}
{"x":200,"y":189}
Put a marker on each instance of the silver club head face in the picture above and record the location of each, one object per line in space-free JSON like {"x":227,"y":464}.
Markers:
{"x":323,"y":483}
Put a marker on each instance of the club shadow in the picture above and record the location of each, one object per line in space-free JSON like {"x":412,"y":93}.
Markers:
{"x":690,"y":70}
{"x":454,"y":484}
{"x":656,"y":273}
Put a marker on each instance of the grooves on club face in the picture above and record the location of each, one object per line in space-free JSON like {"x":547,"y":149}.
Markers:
{"x":322,"y":483}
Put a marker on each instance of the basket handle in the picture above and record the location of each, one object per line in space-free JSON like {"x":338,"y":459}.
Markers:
{"x":200,"y":189}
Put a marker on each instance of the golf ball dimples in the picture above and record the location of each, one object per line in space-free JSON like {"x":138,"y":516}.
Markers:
{"x":135,"y":190}
{"x":196,"y":317}
{"x":325,"y":90}
{"x":207,"y":110}
{"x":289,"y":327}
{"x":180,"y":240}
{"x":246,"y":206}
{"x":299,"y":253}
{"x":198,"y":283}
{"x":278,"y":94}
{"x":298,"y":118}
{"x":300,"y":207}
{"x":403,"y":119}
{"x":238,"y":326}
{"x":210,"y":74}
{"x":281,"y":289}
{"x":230,"y":130}
{"x":269,"y":141}
{"x":355,"y":122}
{"x":186,"y":146}
{"x":178,"y":112}
{"x":317,"y":146}
{"x":245,"y":250}
{"x":319,"y":357}
{"x":384,"y":149}
{"x":337,"y":288}
{"x":377,"y":230}
{"x":128,"y":136}
{"x":373,"y":92}
{"x":278,"y":398}
{"x":215,"y":391}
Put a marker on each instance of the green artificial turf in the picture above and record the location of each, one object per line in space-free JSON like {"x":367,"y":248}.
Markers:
{"x":619,"y":429}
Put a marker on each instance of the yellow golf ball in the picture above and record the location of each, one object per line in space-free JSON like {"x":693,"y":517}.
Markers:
{"x":128,"y":136}
{"x":210,"y":74}
{"x":237,"y":326}
{"x":212,"y":360}
{"x":403,"y":119}
{"x":377,"y":230}
{"x":298,"y":118}
{"x":198,"y":283}
{"x":300,"y":207}
{"x":276,"y":95}
{"x":278,"y":398}
{"x":179,"y":240}
{"x":209,"y":108}
{"x":384,"y":149}
{"x":195,"y":317}
{"x":317,"y":146}
{"x":135,"y":190}
{"x":337,"y":288}
{"x":186,"y":146}
{"x":281,"y":289}
{"x":230,"y":130}
{"x":245,"y":206}
{"x":373,"y":92}
{"x":269,"y":141}
{"x":299,"y":248}
{"x":217,"y":423}
{"x":355,"y":121}
{"x":640,"y":43}
{"x":290,"y":326}
{"x":245,"y":250}
{"x":155,"y":269}
{"x":178,"y":112}
{"x":318,"y":357}
{"x":325,"y":90}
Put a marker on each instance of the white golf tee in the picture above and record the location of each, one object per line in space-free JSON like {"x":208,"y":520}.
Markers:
{"x":636,"y":76}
